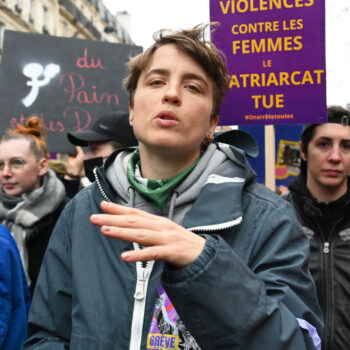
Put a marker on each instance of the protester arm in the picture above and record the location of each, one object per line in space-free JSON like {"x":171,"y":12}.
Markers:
{"x":250,"y":297}
{"x":75,"y":164}
{"x":14,"y":295}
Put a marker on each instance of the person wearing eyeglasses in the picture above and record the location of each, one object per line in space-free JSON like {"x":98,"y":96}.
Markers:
{"x":31,"y":196}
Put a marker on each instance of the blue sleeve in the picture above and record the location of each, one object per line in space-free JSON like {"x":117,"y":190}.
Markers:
{"x":14,"y":294}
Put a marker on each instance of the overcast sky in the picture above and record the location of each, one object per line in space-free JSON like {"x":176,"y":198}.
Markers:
{"x":148,"y":16}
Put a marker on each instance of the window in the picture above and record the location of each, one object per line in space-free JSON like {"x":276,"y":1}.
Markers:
{"x":31,"y":9}
{"x":64,"y":29}
{"x":17,"y":4}
{"x":45,"y":20}
{"x":2,"y":30}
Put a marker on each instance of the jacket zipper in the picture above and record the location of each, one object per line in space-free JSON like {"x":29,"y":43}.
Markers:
{"x":327,"y":298}
{"x":216,"y":227}
{"x":326,"y":247}
{"x":143,"y":275}
{"x":328,"y":256}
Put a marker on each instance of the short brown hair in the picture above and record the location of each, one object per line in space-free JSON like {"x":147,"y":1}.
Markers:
{"x":194,"y":43}
{"x":335,"y":114}
{"x":33,"y":131}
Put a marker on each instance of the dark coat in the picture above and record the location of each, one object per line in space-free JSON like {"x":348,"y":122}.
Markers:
{"x":328,"y":229}
{"x":37,"y":241}
{"x":249,"y":288}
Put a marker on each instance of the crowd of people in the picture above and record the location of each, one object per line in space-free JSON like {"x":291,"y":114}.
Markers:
{"x":172,"y":244}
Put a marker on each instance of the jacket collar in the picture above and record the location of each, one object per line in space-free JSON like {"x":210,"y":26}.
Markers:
{"x":219,"y":204}
{"x":310,"y":205}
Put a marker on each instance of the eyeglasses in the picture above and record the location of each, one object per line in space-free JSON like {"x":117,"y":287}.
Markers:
{"x":15,"y":165}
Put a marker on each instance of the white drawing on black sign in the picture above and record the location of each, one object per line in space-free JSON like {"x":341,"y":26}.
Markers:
{"x":34,"y":71}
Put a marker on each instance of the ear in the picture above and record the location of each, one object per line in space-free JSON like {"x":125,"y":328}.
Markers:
{"x":302,"y":154}
{"x":43,"y":166}
{"x":212,"y":124}
{"x":131,"y":115}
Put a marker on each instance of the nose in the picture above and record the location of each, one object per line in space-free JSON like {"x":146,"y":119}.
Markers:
{"x":6,"y":171}
{"x":172,"y":94}
{"x":335,"y":154}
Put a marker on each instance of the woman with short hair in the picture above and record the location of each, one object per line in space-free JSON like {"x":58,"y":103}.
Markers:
{"x":183,"y":250}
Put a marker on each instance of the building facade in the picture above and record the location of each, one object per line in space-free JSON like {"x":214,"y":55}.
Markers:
{"x":85,"y":19}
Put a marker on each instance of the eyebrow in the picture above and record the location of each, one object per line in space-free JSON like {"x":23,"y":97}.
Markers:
{"x":165,"y":72}
{"x":13,"y":159}
{"x":16,"y":157}
{"x":326,"y":138}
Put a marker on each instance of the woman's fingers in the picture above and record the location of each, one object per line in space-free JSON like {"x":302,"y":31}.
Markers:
{"x":179,"y":255}
{"x":142,"y":236}
{"x":162,"y":238}
{"x":116,"y":209}
{"x":130,"y":221}
{"x":125,"y":217}
{"x":145,"y":254}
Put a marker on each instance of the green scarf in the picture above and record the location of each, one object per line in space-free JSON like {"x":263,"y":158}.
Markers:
{"x":157,"y":191}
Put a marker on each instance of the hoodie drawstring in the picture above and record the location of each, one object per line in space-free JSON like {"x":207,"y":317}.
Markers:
{"x":172,"y":205}
{"x":132,"y":195}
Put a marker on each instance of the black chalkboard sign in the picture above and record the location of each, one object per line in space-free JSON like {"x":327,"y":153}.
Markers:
{"x":68,"y":83}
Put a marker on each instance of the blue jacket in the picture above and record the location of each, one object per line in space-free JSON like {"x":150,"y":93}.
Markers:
{"x":14,"y":295}
{"x":249,"y":288}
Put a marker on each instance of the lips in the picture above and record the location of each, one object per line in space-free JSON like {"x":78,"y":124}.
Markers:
{"x":332,"y":172}
{"x":8,"y":185}
{"x":167,"y":115}
{"x":167,"y":118}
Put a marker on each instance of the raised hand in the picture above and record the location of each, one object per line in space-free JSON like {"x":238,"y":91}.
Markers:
{"x":162,"y":238}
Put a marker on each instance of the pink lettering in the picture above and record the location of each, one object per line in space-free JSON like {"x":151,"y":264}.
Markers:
{"x":82,"y":62}
{"x":80,"y":114}
{"x":77,"y":93}
{"x":51,"y":125}
{"x":76,"y":83}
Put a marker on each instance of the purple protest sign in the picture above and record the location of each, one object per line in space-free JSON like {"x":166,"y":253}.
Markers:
{"x":275,"y":51}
